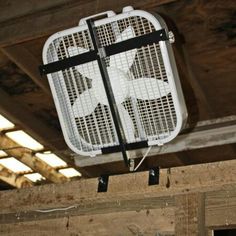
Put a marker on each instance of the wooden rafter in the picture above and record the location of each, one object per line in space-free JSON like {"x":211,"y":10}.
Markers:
{"x":20,"y":114}
{"x":40,"y":22}
{"x":14,"y":179}
{"x":48,"y":136}
{"x":28,"y":63}
{"x":209,"y":133}
{"x":26,"y":156}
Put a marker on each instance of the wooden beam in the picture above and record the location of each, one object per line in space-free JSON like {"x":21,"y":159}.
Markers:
{"x":129,"y":203}
{"x":156,"y":222}
{"x":52,"y":139}
{"x":21,"y":115}
{"x":14,"y":179}
{"x":12,"y":9}
{"x":190,"y":215}
{"x":28,"y":63}
{"x":207,"y":133}
{"x":26,"y":156}
{"x":221,"y":212}
{"x":41,"y":22}
{"x":128,"y":192}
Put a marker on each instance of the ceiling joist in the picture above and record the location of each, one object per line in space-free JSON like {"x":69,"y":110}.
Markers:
{"x":209,"y":133}
{"x":26,"y":157}
{"x":15,"y":180}
{"x":22,"y":57}
{"x":44,"y":19}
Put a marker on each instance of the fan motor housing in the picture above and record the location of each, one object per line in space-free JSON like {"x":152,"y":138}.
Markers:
{"x":144,"y":81}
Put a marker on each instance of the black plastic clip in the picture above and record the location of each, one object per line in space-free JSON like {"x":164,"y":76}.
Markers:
{"x":154,"y":175}
{"x":103,"y":183}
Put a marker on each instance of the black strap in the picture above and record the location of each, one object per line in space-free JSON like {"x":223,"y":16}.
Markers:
{"x":129,"y":44}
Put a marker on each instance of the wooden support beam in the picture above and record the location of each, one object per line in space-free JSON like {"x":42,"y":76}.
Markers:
{"x":128,"y":192}
{"x":207,"y":133}
{"x":28,"y":63}
{"x":190,"y":215}
{"x":26,"y":156}
{"x":14,"y":179}
{"x":21,"y":115}
{"x":52,"y":139}
{"x":42,"y":21}
{"x":136,"y":208}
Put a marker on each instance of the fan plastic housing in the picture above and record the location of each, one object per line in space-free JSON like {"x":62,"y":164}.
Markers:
{"x":157,"y":121}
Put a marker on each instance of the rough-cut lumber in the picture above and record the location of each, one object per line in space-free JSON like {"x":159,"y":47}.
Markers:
{"x":221,"y":211}
{"x":38,"y":24}
{"x":28,"y":63}
{"x":14,"y":179}
{"x":156,"y":222}
{"x":207,"y":133}
{"x":190,"y":215}
{"x":129,"y":207}
{"x":26,"y":156}
{"x":23,"y":117}
{"x":125,"y":192}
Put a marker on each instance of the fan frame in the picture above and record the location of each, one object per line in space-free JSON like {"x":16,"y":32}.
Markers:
{"x":170,"y":67}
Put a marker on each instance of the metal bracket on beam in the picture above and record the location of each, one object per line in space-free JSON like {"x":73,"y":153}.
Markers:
{"x":103,"y":183}
{"x":154,"y":175}
{"x":153,"y":179}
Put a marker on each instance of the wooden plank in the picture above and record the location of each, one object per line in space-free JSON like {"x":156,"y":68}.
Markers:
{"x":40,"y":24}
{"x":14,"y":179}
{"x":12,"y":9}
{"x":221,"y":210}
{"x":214,"y":133}
{"x":28,"y":63}
{"x":190,"y":215}
{"x":145,"y":222}
{"x":46,"y":135}
{"x":158,"y":221}
{"x":21,"y":115}
{"x":26,"y":156}
{"x":125,"y":192}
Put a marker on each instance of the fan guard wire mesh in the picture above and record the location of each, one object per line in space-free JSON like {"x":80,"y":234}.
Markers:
{"x":152,"y":119}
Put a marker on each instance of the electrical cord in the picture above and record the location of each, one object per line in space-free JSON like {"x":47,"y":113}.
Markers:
{"x":57,"y":209}
{"x":144,"y":157}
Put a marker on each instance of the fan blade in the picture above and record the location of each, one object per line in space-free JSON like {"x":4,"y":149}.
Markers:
{"x":124,"y":60}
{"x":127,"y":123}
{"x":148,"y":88}
{"x":85,"y":104}
{"x":90,"y":69}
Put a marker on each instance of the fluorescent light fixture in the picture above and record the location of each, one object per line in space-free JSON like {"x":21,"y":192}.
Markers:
{"x":5,"y":123}
{"x":70,"y":172}
{"x":51,"y":159}
{"x":2,"y":153}
{"x":34,"y":177}
{"x":14,"y":165}
{"x":24,"y":140}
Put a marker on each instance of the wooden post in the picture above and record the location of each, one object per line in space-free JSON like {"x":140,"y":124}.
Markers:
{"x":190,"y":215}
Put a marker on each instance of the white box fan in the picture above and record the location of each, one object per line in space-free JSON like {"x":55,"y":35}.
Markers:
{"x":144,"y":85}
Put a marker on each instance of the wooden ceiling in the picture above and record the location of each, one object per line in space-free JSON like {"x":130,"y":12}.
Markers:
{"x":207,"y":62}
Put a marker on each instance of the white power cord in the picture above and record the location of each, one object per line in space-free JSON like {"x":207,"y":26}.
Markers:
{"x":57,"y":209}
{"x":145,"y":155}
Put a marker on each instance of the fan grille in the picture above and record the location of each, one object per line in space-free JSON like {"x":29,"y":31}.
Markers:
{"x":153,"y":119}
